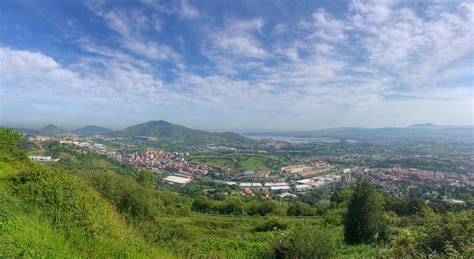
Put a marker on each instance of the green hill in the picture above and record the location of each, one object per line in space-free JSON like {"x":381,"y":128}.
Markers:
{"x":177,"y":134}
{"x":51,"y":129}
{"x":91,"y":130}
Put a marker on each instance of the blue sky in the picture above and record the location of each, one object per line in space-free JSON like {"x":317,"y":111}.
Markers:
{"x":239,"y":65}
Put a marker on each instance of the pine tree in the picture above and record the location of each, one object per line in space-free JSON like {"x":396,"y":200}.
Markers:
{"x":363,"y":220}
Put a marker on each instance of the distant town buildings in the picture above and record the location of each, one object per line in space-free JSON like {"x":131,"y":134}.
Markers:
{"x":298,"y":171}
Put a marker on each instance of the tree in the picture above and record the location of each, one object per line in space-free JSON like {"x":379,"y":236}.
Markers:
{"x":233,"y":205}
{"x":298,"y":208}
{"x":8,"y":142}
{"x":363,"y":220}
{"x":202,"y":204}
{"x":335,"y":199}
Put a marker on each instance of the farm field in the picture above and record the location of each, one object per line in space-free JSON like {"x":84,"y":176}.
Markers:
{"x":241,"y":161}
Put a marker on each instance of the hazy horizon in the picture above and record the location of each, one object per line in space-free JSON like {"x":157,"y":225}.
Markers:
{"x":237,"y":130}
{"x":236,"y":65}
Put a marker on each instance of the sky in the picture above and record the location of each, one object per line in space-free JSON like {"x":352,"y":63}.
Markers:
{"x":236,"y":65}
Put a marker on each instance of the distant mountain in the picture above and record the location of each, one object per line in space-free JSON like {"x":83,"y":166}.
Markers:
{"x":91,"y":130}
{"x":424,"y":126}
{"x":51,"y":129}
{"x":426,"y":132}
{"x":177,"y":134}
{"x":434,"y":126}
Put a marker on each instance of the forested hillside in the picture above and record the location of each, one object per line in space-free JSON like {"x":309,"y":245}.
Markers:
{"x":69,"y":210}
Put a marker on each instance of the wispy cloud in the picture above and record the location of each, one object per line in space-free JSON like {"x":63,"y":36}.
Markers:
{"x":238,"y":38}
{"x":130,"y":25}
{"x":188,"y":11}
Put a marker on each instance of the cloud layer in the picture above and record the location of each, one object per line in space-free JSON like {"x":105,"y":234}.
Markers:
{"x":377,"y":63}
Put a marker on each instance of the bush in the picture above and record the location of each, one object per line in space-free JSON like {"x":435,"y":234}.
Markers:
{"x":272,"y":224}
{"x":129,"y":197}
{"x":451,"y":233}
{"x":304,"y":241}
{"x":298,"y":208}
{"x":9,"y":139}
{"x":202,"y":204}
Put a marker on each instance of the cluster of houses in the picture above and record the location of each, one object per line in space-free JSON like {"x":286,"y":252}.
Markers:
{"x":187,"y":169}
{"x":392,"y":177}
{"x":298,"y":171}
{"x":83,"y":144}
{"x":148,"y":158}
{"x":71,"y":137}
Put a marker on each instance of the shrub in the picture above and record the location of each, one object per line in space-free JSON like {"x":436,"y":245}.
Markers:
{"x":272,"y":224}
{"x":451,"y":233}
{"x":127,"y":195}
{"x":304,"y":241}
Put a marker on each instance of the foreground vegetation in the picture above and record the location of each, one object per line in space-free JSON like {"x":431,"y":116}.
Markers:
{"x":62,"y":212}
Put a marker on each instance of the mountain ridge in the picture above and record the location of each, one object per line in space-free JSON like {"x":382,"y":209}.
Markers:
{"x":52,"y":129}
{"x":180,"y":134}
{"x":91,"y":130}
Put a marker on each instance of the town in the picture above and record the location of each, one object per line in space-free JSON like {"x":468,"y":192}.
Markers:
{"x":300,"y":175}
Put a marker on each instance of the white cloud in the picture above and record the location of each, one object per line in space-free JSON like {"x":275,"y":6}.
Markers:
{"x":239,"y":38}
{"x":418,"y":50}
{"x":187,"y":10}
{"x":30,"y":70}
{"x":130,"y":24}
{"x":38,"y":76}
{"x":325,"y":27}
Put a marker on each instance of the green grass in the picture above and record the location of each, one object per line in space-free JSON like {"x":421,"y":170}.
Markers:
{"x":29,"y":234}
{"x":217,"y":236}
{"x":241,"y":161}
{"x":5,"y":169}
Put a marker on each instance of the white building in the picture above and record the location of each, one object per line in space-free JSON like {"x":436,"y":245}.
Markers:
{"x":40,"y":158}
{"x":302,"y":187}
{"x":177,"y":180}
{"x":275,"y":184}
{"x":250,"y":185}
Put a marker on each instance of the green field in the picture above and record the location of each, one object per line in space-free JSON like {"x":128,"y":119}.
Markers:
{"x":241,"y":161}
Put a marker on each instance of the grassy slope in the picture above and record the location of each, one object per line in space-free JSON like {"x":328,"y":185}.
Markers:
{"x":200,"y":235}
{"x":51,"y":214}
